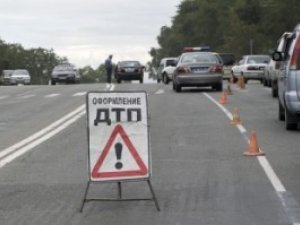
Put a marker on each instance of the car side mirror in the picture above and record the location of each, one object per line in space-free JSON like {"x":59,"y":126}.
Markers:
{"x":277,"y":56}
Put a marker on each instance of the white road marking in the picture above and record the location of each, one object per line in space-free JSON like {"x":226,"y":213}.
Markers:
{"x":80,"y":94}
{"x":11,"y":153}
{"x":52,"y":95}
{"x":274,"y":179}
{"x":41,"y":132}
{"x":25,"y":96}
{"x":3,"y":97}
{"x":36,"y":142}
{"x":160,"y":91}
{"x":269,"y":171}
{"x":278,"y":186}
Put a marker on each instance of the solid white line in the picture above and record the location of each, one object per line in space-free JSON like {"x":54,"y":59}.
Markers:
{"x":35,"y":143}
{"x":79,"y":94}
{"x":278,"y":186}
{"x":20,"y":148}
{"x":274,"y":179}
{"x":241,"y":128}
{"x":41,"y":132}
{"x":52,"y":95}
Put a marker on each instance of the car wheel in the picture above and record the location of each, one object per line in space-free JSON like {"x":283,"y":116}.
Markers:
{"x":118,"y":80}
{"x":274,"y":91}
{"x":233,"y":78}
{"x":141,"y":80}
{"x":158,"y":81}
{"x":290,"y":123}
{"x":165,"y":78}
{"x":177,"y":88}
{"x":53,"y":82}
{"x":219,"y":87}
{"x":281,"y":115}
{"x":265,"y":82}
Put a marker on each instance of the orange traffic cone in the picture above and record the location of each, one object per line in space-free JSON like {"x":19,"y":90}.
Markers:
{"x":228,"y":90}
{"x":253,"y":149}
{"x":235,"y":117}
{"x":223,"y":99}
{"x":241,"y":82}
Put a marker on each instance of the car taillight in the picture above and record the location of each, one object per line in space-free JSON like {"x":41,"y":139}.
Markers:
{"x":295,"y":60}
{"x":183,"y":69}
{"x":216,"y":69}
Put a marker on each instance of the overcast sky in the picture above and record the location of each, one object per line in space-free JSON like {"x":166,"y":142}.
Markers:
{"x":86,"y":31}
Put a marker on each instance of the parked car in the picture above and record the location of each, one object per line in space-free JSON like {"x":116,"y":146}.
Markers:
{"x":228,"y":62}
{"x":65,"y":73}
{"x":5,"y":77}
{"x":273,"y":68}
{"x":129,"y":70}
{"x":20,"y":76}
{"x":197,"y":69}
{"x":289,"y":80}
{"x":166,"y":69}
{"x":251,"y":67}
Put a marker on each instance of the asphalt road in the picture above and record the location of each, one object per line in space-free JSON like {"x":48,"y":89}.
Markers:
{"x":200,"y":175}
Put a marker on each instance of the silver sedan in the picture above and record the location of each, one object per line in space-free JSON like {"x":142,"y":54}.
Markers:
{"x":198,"y":69}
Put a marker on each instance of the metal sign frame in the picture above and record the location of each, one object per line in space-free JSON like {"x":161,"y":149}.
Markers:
{"x":123,"y":180}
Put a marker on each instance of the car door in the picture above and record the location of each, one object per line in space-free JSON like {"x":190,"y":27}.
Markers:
{"x":283,"y":70}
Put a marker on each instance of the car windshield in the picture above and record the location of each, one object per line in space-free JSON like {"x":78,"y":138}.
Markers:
{"x":258,"y":59}
{"x":16,"y":72}
{"x":64,"y":67}
{"x":129,"y":64}
{"x":199,"y":57}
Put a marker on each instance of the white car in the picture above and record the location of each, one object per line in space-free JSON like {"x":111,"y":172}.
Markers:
{"x":251,"y":67}
{"x":166,"y":69}
{"x":20,"y":77}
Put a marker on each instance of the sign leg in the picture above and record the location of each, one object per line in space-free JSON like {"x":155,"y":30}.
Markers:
{"x":119,"y":190}
{"x":153,"y":195}
{"x":84,"y":198}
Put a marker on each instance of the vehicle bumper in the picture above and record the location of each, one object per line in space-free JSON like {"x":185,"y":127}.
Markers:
{"x":255,"y":75}
{"x":198,"y":80}
{"x":63,"y":79}
{"x":129,"y":76}
{"x":19,"y":81}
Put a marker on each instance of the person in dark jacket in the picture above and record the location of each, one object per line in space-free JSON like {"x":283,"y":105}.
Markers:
{"x":108,"y":68}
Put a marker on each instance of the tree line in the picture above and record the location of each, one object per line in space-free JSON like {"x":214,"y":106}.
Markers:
{"x":230,"y":26}
{"x":40,"y":63}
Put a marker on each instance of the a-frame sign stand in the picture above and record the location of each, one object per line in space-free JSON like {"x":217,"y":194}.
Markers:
{"x":120,"y":197}
{"x":118,"y":142}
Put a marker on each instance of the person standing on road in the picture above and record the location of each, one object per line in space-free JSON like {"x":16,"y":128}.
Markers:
{"x":108,"y":68}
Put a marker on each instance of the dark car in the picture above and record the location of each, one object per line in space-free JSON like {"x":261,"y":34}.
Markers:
{"x":196,"y":69}
{"x":129,"y":70}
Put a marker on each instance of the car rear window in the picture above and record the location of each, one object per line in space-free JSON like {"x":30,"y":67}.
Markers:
{"x":258,"y":59}
{"x":199,"y":57}
{"x":129,"y":64}
{"x":170,"y":62}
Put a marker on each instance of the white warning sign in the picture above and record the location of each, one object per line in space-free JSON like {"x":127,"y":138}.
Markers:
{"x":118,"y":136}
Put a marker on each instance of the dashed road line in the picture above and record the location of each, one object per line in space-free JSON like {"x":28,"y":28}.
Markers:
{"x":3,"y":97}
{"x":52,"y":95}
{"x":25,"y":96}
{"x":79,"y":94}
{"x":289,"y":203}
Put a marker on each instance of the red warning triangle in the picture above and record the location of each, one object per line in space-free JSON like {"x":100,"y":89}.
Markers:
{"x":96,"y":172}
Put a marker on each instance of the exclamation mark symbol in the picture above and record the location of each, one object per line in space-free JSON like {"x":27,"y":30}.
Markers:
{"x":118,"y":149}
